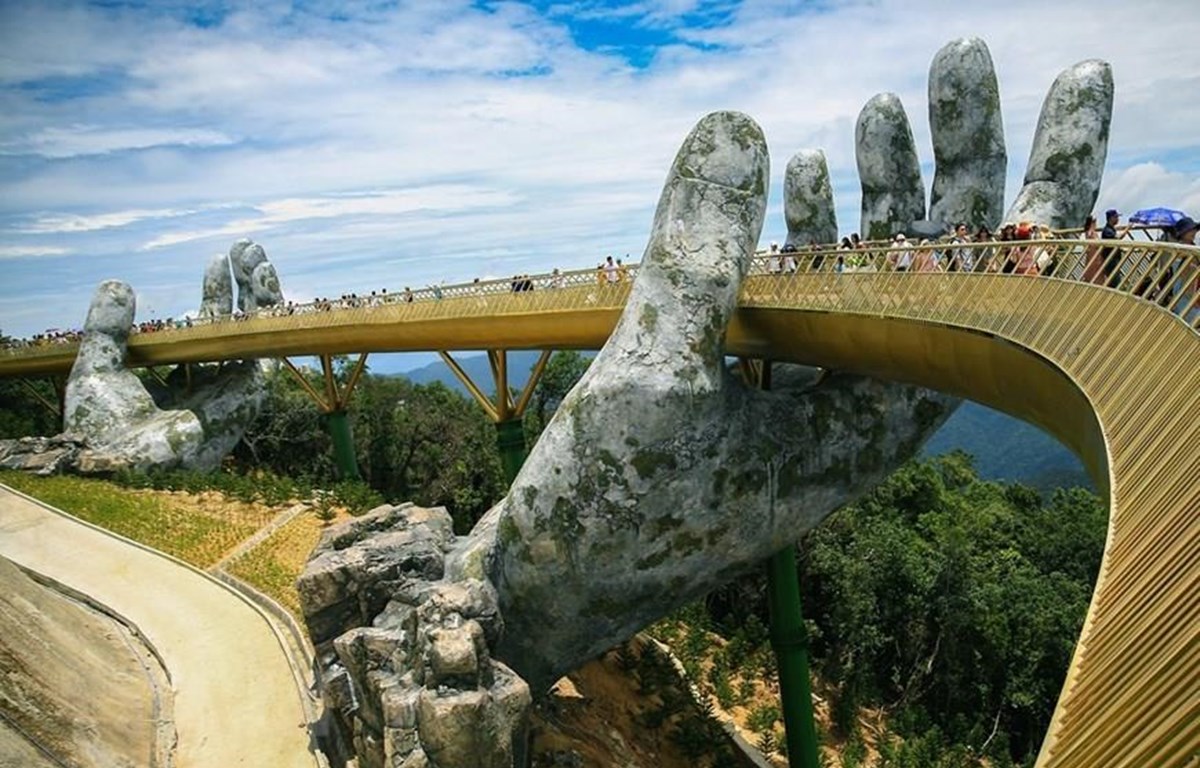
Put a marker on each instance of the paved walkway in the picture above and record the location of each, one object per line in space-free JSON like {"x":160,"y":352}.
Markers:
{"x":236,"y":700}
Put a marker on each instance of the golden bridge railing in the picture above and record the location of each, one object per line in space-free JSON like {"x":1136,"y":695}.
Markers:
{"x":1125,"y":340}
{"x":1159,"y":272}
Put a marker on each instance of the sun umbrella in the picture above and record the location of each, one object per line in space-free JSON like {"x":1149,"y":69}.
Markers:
{"x":1156,"y":217}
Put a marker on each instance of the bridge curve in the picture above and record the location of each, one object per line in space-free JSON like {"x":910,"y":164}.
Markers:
{"x":1110,"y":369}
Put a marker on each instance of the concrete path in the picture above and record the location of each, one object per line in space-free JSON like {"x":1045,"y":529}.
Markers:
{"x":236,"y":699}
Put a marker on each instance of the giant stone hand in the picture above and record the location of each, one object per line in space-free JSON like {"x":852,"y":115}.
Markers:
{"x":1062,"y":179}
{"x":193,"y":424}
{"x":663,"y":476}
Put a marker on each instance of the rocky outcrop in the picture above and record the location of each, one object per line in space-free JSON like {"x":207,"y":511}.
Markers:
{"x":808,"y":200}
{"x":893,"y":194}
{"x":968,"y":137}
{"x":1066,"y":161}
{"x":107,"y":404}
{"x":404,"y":656}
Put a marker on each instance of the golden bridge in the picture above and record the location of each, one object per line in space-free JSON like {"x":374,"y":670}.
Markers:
{"x":1104,"y":353}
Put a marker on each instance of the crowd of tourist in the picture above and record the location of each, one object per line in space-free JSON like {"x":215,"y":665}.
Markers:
{"x":1020,"y":248}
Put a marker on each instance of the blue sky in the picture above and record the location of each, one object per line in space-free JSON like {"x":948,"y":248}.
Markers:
{"x":383,"y":144}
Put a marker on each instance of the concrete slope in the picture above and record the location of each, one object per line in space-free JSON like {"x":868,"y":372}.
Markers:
{"x":237,"y":702}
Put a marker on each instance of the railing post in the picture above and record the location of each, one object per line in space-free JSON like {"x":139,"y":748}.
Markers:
{"x":338,"y":424}
{"x":510,"y":439}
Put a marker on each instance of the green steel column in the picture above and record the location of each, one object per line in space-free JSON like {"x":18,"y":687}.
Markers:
{"x":510,"y":437}
{"x":790,"y":641}
{"x":338,"y":424}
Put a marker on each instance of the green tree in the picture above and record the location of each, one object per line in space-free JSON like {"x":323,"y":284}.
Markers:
{"x":562,"y":371}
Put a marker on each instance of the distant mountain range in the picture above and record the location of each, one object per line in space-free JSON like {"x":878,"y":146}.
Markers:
{"x":1004,"y":448}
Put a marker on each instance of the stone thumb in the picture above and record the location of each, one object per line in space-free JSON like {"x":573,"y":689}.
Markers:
{"x":705,"y":229}
{"x":106,"y":330}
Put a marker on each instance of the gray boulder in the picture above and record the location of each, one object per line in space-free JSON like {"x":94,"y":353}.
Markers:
{"x":808,"y":200}
{"x":661,"y":477}
{"x":893,"y":193}
{"x":258,"y":284}
{"x":968,"y":136}
{"x":108,"y":406}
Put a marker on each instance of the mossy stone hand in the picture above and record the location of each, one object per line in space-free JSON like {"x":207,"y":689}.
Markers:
{"x":1062,"y":180}
{"x":192,"y":426}
{"x":662,"y":476}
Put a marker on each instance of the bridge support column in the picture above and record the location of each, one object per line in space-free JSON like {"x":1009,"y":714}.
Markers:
{"x":337,"y":423}
{"x":506,"y":413}
{"x":789,"y":638}
{"x":510,"y":439}
{"x":333,"y":408}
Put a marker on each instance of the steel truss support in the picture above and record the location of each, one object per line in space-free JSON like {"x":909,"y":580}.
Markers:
{"x":506,"y":413}
{"x":333,"y":403}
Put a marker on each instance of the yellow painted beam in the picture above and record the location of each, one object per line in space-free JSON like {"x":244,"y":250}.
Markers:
{"x":312,"y":392}
{"x":462,"y":376}
{"x":535,"y":377}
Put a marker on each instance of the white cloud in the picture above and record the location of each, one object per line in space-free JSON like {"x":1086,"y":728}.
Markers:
{"x":1150,"y":185}
{"x":30,"y":251}
{"x":401,"y":130}
{"x":76,"y":140}
{"x":73,"y":223}
{"x":441,"y":199}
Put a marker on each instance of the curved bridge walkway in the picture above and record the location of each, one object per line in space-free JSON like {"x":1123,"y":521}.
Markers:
{"x":237,"y":702}
{"x":1103,"y":353}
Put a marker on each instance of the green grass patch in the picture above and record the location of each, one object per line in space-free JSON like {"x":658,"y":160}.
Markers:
{"x":193,"y":533}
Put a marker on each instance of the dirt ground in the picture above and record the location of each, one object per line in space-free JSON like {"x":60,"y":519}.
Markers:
{"x":76,"y":682}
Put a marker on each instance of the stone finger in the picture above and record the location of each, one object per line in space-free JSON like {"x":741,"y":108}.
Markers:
{"x":1066,"y":161}
{"x":216,"y":298}
{"x":893,"y":193}
{"x":968,"y":137}
{"x":808,"y":200}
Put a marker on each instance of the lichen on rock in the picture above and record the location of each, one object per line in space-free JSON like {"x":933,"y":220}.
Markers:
{"x":808,"y":200}
{"x":893,"y":193}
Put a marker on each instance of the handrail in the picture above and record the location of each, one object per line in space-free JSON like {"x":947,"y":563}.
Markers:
{"x":1164,"y":272}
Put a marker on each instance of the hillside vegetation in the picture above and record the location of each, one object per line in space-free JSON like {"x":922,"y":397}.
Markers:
{"x":942,"y":608}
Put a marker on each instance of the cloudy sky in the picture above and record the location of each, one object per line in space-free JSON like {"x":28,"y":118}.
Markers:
{"x":382,"y":144}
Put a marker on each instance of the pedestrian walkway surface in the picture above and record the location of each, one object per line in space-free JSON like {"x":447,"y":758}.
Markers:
{"x":237,"y":702}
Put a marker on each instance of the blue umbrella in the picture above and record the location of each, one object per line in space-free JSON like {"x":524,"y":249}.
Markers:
{"x":1156,"y":217}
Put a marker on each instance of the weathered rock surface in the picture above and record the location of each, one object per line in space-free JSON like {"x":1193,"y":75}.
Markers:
{"x":405,"y":662}
{"x":216,"y":298}
{"x":258,"y":284}
{"x":968,"y":136}
{"x":808,"y":200}
{"x":107,"y":404}
{"x":893,"y":193}
{"x":194,"y":421}
{"x":77,"y":681}
{"x":1066,"y":161}
{"x":41,"y":455}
